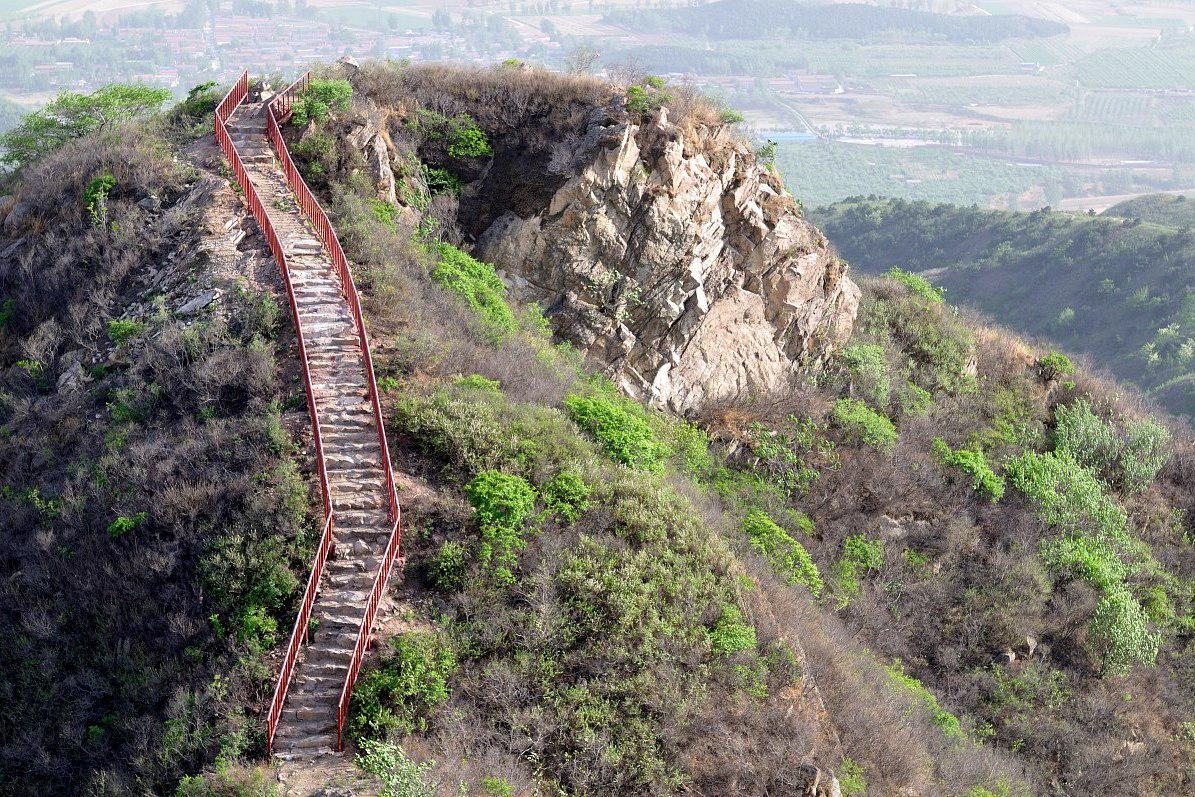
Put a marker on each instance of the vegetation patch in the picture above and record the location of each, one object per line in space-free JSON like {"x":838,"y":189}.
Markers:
{"x":478,"y":283}
{"x":862,"y":424}
{"x":395,"y":698}
{"x":620,"y":427}
{"x":786,"y":554}
{"x":319,"y":99}
{"x":974,"y":464}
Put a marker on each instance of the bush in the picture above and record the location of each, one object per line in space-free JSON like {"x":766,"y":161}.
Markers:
{"x":441,"y":181}
{"x":503,"y":504}
{"x":974,"y":463}
{"x":1053,"y":365}
{"x":864,"y":425}
{"x":71,"y":116}
{"x":939,"y":345}
{"x":850,"y":779}
{"x":400,"y":776}
{"x":790,"y":458}
{"x":95,"y":198}
{"x":1129,"y":456}
{"x":121,"y":331}
{"x":123,"y":525}
{"x":918,"y":285}
{"x":449,"y":567}
{"x":869,"y":372}
{"x":620,"y":427}
{"x":228,"y":782}
{"x":567,"y":495}
{"x":859,"y":555}
{"x":493,"y":786}
{"x":1120,"y":633}
{"x":465,"y":139}
{"x":410,"y":681}
{"x":948,"y":723}
{"x":786,"y":554}
{"x":319,"y":99}
{"x":648,"y":97}
{"x":1069,"y":496}
{"x":731,"y":633}
{"x":478,"y":283}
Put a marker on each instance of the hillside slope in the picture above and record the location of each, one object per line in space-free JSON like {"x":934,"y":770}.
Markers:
{"x":1169,"y":210}
{"x":1121,"y":290}
{"x":933,"y":560}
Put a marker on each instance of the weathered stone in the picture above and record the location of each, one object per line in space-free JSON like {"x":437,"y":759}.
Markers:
{"x":691,"y":278}
{"x":199,"y":302}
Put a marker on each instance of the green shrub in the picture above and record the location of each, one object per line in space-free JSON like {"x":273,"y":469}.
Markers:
{"x":503,"y":504}
{"x":1096,"y":538}
{"x":851,"y":782}
{"x":494,"y":786}
{"x":1120,"y":633}
{"x":465,"y":139}
{"x":688,"y":444}
{"x":926,"y":331}
{"x":918,"y":285}
{"x":859,"y":555}
{"x":123,"y":525}
{"x":70,"y":116}
{"x":869,"y":372}
{"x":791,"y":457}
{"x":442,"y":181}
{"x":647,"y":98}
{"x":449,"y":567}
{"x":914,"y":399}
{"x":1053,"y":365}
{"x":201,"y":100}
{"x":567,"y":495}
{"x":1128,"y":456}
{"x":410,"y":681}
{"x":786,"y":554}
{"x":731,"y":633}
{"x":620,"y":427}
{"x":319,"y":99}
{"x":400,"y":776}
{"x":730,"y":116}
{"x":121,"y":331}
{"x":384,"y":212}
{"x":984,"y":480}
{"x":228,"y":782}
{"x":864,"y":425}
{"x":945,"y":721}
{"x":468,"y":141}
{"x":478,"y":283}
{"x":95,"y":198}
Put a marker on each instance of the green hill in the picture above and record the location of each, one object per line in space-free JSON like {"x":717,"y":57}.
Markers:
{"x":1168,"y":209}
{"x":1120,"y":290}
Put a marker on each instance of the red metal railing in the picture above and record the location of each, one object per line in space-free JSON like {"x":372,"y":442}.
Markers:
{"x":299,"y":633}
{"x":277,"y":112}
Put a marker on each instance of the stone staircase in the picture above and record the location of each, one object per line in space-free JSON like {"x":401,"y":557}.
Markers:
{"x":352,"y":453}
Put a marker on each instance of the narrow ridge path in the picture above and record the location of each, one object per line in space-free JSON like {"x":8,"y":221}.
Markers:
{"x":352,"y":452}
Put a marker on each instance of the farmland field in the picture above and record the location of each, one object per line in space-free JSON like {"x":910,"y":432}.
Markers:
{"x":1159,"y":67}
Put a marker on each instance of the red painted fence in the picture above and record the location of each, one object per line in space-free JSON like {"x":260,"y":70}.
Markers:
{"x":277,"y":112}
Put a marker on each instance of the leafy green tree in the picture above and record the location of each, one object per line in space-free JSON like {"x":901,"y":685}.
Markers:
{"x":73,"y":116}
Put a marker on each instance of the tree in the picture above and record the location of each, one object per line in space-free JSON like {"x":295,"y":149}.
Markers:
{"x":73,"y":116}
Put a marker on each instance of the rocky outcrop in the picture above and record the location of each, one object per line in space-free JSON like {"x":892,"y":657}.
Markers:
{"x":682,"y":266}
{"x":665,"y":252}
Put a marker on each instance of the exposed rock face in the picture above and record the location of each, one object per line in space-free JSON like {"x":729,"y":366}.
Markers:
{"x":667,"y":254}
{"x":681,"y":266}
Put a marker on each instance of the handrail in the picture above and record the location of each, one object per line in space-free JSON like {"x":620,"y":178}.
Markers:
{"x":300,"y":630}
{"x":279,"y":110}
